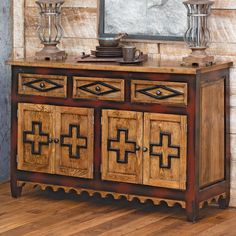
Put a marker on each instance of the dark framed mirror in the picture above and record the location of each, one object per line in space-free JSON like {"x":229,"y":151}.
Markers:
{"x":143,"y":19}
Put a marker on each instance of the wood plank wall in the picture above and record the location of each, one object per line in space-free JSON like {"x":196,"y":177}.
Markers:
{"x":80,"y":21}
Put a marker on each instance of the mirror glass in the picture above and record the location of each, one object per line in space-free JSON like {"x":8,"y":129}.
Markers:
{"x":144,"y":19}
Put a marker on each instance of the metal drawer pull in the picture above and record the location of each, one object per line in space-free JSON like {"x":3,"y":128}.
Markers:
{"x":145,"y":149}
{"x":56,"y":140}
{"x":98,"y":88}
{"x":42,"y":85}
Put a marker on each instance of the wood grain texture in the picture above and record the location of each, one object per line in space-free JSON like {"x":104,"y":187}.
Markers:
{"x":98,"y":88}
{"x":214,"y":199}
{"x":48,"y":212}
{"x":161,"y":89}
{"x":42,"y":161}
{"x":212,"y":157}
{"x":233,"y":175}
{"x":224,"y":4}
{"x":233,"y":120}
{"x":113,"y":122}
{"x":76,"y":22}
{"x":69,"y":3}
{"x":222,"y":26}
{"x":233,"y":146}
{"x":76,"y":126}
{"x":18,"y":29}
{"x":49,"y":85}
{"x":73,"y":46}
{"x":173,"y":176}
{"x":105,"y":194}
{"x":52,"y":157}
{"x":151,"y":66}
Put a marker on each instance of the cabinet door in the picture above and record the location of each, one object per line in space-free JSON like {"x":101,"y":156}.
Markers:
{"x":165,"y":159}
{"x":35,"y":127}
{"x":74,"y":134}
{"x":121,"y":141}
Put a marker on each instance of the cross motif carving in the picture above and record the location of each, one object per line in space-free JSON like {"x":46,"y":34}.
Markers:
{"x":165,"y":150}
{"x":74,"y":141}
{"x":36,"y":137}
{"x":122,"y":146}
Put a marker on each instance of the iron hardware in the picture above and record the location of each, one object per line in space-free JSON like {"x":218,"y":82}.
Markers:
{"x":98,"y":89}
{"x":145,"y":149}
{"x":42,"y":85}
{"x":56,"y":140}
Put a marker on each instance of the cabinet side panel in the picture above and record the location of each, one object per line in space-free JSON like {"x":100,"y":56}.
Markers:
{"x":212,"y":132}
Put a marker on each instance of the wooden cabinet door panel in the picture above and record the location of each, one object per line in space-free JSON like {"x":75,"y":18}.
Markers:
{"x":35,"y":127}
{"x":121,"y":146}
{"x":74,"y":153}
{"x":165,"y":136}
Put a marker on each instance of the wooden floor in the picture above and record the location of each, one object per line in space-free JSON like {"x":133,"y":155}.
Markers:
{"x":48,"y":213}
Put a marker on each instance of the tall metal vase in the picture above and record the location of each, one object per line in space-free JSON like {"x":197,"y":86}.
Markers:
{"x":50,"y":30}
{"x":197,"y":35}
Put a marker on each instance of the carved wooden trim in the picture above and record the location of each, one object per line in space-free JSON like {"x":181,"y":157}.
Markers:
{"x":161,"y":153}
{"x":70,"y":144}
{"x":98,"y":88}
{"x":104,"y":194}
{"x":160,"y":92}
{"x":212,"y":199}
{"x":33,"y":141}
{"x":119,"y":158}
{"x":42,"y":85}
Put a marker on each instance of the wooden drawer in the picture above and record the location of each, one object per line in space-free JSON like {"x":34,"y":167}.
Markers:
{"x":42,"y":85}
{"x":159,"y":92}
{"x":98,"y":88}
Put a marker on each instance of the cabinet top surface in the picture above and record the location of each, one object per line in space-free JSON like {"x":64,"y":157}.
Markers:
{"x":151,"y":66}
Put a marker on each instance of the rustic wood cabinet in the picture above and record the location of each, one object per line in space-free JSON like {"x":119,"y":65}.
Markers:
{"x":156,"y":131}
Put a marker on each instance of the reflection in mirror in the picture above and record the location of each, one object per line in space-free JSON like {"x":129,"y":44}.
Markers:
{"x":147,"y":19}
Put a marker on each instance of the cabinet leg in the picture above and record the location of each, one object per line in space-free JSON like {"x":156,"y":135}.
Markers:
{"x":15,"y":189}
{"x":192,"y":213}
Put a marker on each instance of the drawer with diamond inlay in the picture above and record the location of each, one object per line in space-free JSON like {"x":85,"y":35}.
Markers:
{"x":159,"y":92}
{"x":98,"y":88}
{"x":42,"y":85}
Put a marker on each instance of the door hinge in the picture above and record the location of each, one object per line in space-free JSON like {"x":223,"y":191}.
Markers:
{"x":17,"y":158}
{"x":186,"y":128}
{"x":101,"y":168}
{"x":17,"y":113}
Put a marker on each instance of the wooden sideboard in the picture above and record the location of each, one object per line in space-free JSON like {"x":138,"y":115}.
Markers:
{"x":154,"y":132}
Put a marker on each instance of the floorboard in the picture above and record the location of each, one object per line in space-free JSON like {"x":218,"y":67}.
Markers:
{"x":46,"y":213}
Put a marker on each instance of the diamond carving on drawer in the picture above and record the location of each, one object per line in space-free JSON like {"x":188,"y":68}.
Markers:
{"x":99,"y":88}
{"x":43,"y":85}
{"x":160,"y":92}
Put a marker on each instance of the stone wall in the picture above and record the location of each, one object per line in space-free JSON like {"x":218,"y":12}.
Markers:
{"x":80,"y":22}
{"x":5,"y":79}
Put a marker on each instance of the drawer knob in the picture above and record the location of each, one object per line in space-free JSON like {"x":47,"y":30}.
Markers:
{"x":98,"y":89}
{"x":158,"y":92}
{"x":50,"y":140}
{"x":137,"y":148}
{"x":42,"y":85}
{"x":56,"y":140}
{"x":145,"y":149}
